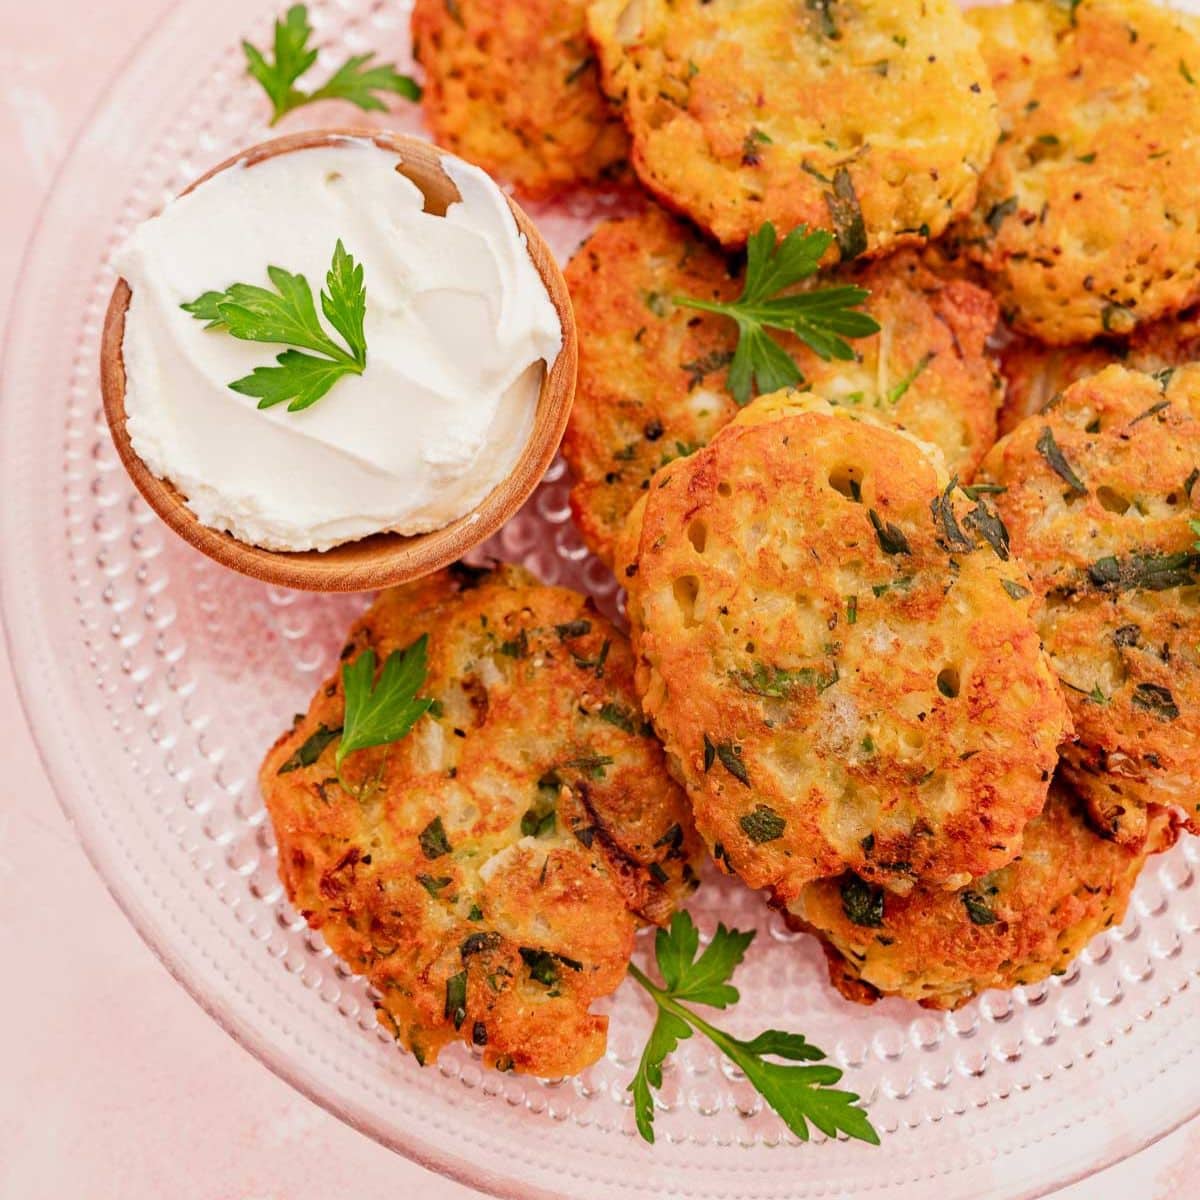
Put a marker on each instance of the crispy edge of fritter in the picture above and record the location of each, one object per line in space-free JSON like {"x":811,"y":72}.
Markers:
{"x":512,"y":86}
{"x":1040,"y":925}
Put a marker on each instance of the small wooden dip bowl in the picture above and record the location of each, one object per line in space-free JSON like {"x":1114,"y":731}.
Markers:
{"x":383,"y":559}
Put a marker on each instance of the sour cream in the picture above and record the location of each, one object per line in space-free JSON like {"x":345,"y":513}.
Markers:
{"x":459,"y":328}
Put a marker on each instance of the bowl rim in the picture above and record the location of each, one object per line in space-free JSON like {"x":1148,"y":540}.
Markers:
{"x":382,"y":559}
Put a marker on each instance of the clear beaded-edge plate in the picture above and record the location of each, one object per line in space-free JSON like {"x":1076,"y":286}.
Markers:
{"x":154,"y":680}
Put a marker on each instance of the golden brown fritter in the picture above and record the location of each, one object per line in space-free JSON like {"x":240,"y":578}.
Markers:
{"x":512,"y":86}
{"x":489,"y":881}
{"x":1085,"y":220}
{"x":871,"y":119}
{"x":652,"y":374}
{"x":1100,"y":491}
{"x":837,"y":650}
{"x":1011,"y":928}
{"x":1037,"y":373}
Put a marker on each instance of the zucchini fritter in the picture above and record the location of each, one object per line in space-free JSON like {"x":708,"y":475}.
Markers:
{"x":489,"y":880}
{"x":871,"y":119}
{"x":1011,"y":928}
{"x":512,"y":86}
{"x":1086,"y":220}
{"x":1036,"y":374}
{"x":837,"y":649}
{"x":1100,"y":491}
{"x":652,"y":374}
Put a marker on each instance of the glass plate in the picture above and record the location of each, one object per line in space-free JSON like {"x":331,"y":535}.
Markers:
{"x":154,"y":681}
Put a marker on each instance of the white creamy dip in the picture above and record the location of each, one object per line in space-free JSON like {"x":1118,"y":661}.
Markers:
{"x":459,"y":331}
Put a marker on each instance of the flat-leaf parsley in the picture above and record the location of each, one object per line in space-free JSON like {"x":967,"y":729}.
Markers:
{"x":821,"y":318}
{"x":798,"y":1094}
{"x":356,"y":80}
{"x":287,"y":316}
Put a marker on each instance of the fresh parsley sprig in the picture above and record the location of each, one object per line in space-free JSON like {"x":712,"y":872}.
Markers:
{"x":381,"y":711}
{"x":822,"y":318}
{"x":356,"y":80}
{"x":798,"y":1094}
{"x":287,"y":316}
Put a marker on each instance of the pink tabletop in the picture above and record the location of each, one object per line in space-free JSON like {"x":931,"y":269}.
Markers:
{"x":113,"y":1083}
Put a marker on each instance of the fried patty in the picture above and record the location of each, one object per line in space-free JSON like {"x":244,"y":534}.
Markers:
{"x":871,"y":119}
{"x":836,"y":647}
{"x":652,"y":374}
{"x":1101,"y":489}
{"x":489,"y":878}
{"x":1086,"y":220}
{"x":512,"y":86}
{"x":1011,"y":928}
{"x":1035,"y":373}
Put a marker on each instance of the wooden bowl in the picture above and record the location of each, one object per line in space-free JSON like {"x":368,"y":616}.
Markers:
{"x":384,"y":558}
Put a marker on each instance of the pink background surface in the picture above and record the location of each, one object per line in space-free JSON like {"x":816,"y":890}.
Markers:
{"x":113,"y":1083}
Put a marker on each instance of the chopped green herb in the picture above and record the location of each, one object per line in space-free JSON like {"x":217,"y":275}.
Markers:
{"x":573,"y":629}
{"x":517,"y":647}
{"x":657,"y":303}
{"x":1153,"y":572}
{"x":1048,"y":448}
{"x":543,"y":965}
{"x":1183,"y":70}
{"x":987,"y":523}
{"x":1156,"y":700}
{"x":764,"y":824}
{"x":978,"y":910}
{"x":1116,"y":318}
{"x":592,"y":765}
{"x":973,"y":491}
{"x":311,"y":749}
{"x":540,"y":819}
{"x":731,"y":760}
{"x":710,"y":754}
{"x":890,"y":537}
{"x":799,"y":1094}
{"x":998,"y":212}
{"x":479,"y":943}
{"x":824,"y":11}
{"x":433,"y":840}
{"x":476,"y":913}
{"x":851,"y":610}
{"x":1152,"y":411}
{"x":432,"y":885}
{"x":846,"y":215}
{"x":616,"y":714}
{"x":942,"y":508}
{"x":456,"y":999}
{"x":778,"y":684}
{"x":862,"y":902}
{"x":898,"y":390}
{"x":1016,"y":590}
{"x":700,"y":368}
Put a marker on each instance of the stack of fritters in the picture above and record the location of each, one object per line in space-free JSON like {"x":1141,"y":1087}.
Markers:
{"x":1097,"y":493}
{"x":487,"y":872}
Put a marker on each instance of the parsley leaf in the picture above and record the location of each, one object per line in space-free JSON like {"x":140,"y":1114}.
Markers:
{"x":355,"y":80}
{"x":798,"y":1094}
{"x":822,"y":318}
{"x":382,"y":711}
{"x":287,"y":316}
